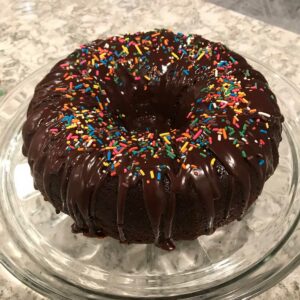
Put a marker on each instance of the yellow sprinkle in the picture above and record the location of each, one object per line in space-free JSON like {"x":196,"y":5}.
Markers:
{"x":164,"y":134}
{"x":148,"y":78}
{"x":191,"y":148}
{"x":183,"y":148}
{"x":166,"y":140}
{"x":175,"y":55}
{"x":152,"y":174}
{"x":138,"y":50}
{"x":142,"y":172}
{"x":212,"y":162}
{"x":106,"y":164}
{"x":102,"y":55}
{"x":71,"y":126}
{"x":95,"y":86}
{"x":237,"y":145}
{"x":125,"y":49}
{"x":201,"y":55}
{"x":110,"y":148}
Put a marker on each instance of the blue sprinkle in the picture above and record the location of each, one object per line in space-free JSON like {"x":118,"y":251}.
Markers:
{"x":261,"y":162}
{"x":158,"y":176}
{"x":78,"y":86}
{"x":109,"y":155}
{"x":263,"y":131}
{"x":88,"y":89}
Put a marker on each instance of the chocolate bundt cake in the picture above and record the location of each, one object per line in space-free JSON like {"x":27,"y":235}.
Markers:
{"x":152,"y":137}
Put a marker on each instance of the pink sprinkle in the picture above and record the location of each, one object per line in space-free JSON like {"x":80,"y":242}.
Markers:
{"x":137,"y":78}
{"x":189,"y":114}
{"x":83,"y":62}
{"x":53,"y":130}
{"x":69,"y":136}
{"x":197,"y":134}
{"x":179,"y":139}
{"x":210,"y":140}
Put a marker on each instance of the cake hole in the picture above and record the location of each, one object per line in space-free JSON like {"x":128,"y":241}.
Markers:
{"x":156,"y":106}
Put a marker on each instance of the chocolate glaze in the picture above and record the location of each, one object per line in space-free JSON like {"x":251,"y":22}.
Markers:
{"x":77,"y":183}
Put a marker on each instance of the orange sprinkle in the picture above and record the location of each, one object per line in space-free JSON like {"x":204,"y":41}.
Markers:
{"x":155,"y":34}
{"x":224,"y":134}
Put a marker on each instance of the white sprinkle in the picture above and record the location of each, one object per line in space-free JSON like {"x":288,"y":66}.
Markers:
{"x":264,"y":114}
{"x":90,"y":143}
{"x":164,"y":69}
{"x":219,"y":137}
{"x":216,"y":73}
{"x":106,"y":45}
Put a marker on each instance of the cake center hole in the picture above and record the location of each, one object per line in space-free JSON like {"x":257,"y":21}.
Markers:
{"x":156,"y":109}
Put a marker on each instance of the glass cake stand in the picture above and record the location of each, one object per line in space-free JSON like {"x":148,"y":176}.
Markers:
{"x":238,"y":261}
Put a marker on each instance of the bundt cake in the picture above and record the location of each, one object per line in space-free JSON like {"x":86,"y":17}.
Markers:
{"x":152,"y":137}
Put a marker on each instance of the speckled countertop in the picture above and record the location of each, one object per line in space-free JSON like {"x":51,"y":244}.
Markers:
{"x":33,"y":33}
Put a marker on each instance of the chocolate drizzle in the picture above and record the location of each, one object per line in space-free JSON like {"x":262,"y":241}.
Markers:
{"x":225,"y":182}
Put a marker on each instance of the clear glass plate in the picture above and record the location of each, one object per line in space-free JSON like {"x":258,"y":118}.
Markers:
{"x":237,"y":261}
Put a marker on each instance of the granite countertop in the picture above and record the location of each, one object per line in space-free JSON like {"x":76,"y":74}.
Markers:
{"x":33,"y":33}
